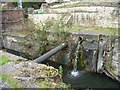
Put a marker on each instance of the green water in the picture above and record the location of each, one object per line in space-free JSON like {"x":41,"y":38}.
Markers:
{"x":85,"y":79}
{"x":89,"y":80}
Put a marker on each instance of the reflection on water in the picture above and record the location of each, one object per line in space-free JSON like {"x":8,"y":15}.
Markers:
{"x":81,"y":79}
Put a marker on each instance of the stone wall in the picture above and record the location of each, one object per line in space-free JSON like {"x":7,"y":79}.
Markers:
{"x":100,"y":0}
{"x":22,"y":44}
{"x":11,"y":20}
{"x":86,"y":15}
{"x":90,"y":43}
{"x":95,"y":19}
{"x":38,"y":18}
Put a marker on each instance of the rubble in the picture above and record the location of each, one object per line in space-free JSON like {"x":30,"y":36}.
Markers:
{"x":31,"y":74}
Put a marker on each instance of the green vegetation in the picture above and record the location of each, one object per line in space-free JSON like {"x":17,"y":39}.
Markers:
{"x":17,"y":61}
{"x":40,"y":35}
{"x":106,"y":30}
{"x":110,"y":66}
{"x":11,"y":81}
{"x":60,"y":26}
{"x":61,"y":33}
{"x":60,"y":70}
{"x":3,"y":8}
{"x":45,"y":85}
{"x":33,"y":4}
{"x":4,"y":59}
{"x":49,"y":78}
{"x":50,"y":84}
{"x":81,"y":58}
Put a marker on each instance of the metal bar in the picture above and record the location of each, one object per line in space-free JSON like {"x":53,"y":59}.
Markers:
{"x":47,"y":55}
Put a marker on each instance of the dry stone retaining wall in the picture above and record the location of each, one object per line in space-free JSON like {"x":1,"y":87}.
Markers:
{"x":11,"y":20}
{"x":89,"y":15}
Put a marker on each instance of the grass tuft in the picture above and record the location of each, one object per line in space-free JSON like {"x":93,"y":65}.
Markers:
{"x":11,"y":81}
{"x":4,"y":59}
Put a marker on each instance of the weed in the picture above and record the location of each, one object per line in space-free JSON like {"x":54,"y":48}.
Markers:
{"x":60,"y":26}
{"x":11,"y":81}
{"x":60,"y":70}
{"x":4,"y":59}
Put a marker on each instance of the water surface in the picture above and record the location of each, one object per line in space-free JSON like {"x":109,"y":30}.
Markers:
{"x":88,"y":80}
